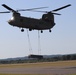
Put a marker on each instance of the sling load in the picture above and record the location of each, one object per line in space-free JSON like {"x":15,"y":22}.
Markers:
{"x":39,"y":56}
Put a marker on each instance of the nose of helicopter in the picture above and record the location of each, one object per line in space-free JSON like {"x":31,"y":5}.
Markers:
{"x":10,"y":22}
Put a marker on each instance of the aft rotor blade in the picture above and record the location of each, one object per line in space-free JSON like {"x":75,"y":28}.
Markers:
{"x":61,"y":8}
{"x":31,"y":9}
{"x":10,"y":9}
{"x":56,"y":13}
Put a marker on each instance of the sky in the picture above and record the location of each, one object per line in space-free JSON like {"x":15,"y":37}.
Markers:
{"x":62,"y":39}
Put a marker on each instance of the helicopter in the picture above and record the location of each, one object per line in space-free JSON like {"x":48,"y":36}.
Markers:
{"x":46,"y":22}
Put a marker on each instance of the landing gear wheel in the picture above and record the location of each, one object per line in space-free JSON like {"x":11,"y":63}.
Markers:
{"x":49,"y":30}
{"x":30,"y":29}
{"x":22,"y":30}
{"x":41,"y":31}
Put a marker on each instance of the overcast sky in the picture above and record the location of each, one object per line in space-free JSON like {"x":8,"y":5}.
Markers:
{"x":62,"y":39}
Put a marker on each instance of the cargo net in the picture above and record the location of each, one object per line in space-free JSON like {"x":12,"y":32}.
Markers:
{"x":39,"y":56}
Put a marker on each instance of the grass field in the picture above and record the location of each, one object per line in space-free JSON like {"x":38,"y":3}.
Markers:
{"x":39,"y":65}
{"x":35,"y":74}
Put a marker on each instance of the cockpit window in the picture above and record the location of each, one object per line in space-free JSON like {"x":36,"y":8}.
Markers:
{"x":12,"y":18}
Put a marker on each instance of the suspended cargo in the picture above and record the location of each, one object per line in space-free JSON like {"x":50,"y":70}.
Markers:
{"x":36,"y":56}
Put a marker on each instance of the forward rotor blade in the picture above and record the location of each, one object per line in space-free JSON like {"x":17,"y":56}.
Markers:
{"x":31,"y":9}
{"x":5,"y":12}
{"x":10,"y":9}
{"x":38,"y":11}
{"x":61,"y":8}
{"x":45,"y":12}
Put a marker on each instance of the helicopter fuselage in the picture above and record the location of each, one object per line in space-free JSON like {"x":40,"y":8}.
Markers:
{"x":30,"y":23}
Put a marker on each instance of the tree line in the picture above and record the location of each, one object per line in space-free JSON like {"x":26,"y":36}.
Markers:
{"x":51,"y":59}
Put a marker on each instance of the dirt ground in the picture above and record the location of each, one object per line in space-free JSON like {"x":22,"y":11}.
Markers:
{"x":46,"y":68}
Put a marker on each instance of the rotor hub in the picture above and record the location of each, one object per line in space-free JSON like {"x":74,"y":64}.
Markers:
{"x":16,"y":14}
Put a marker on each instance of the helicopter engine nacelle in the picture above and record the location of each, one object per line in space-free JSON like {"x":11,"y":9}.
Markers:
{"x":49,"y":17}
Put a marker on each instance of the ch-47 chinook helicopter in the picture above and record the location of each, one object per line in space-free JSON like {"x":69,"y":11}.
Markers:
{"x":44,"y":23}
